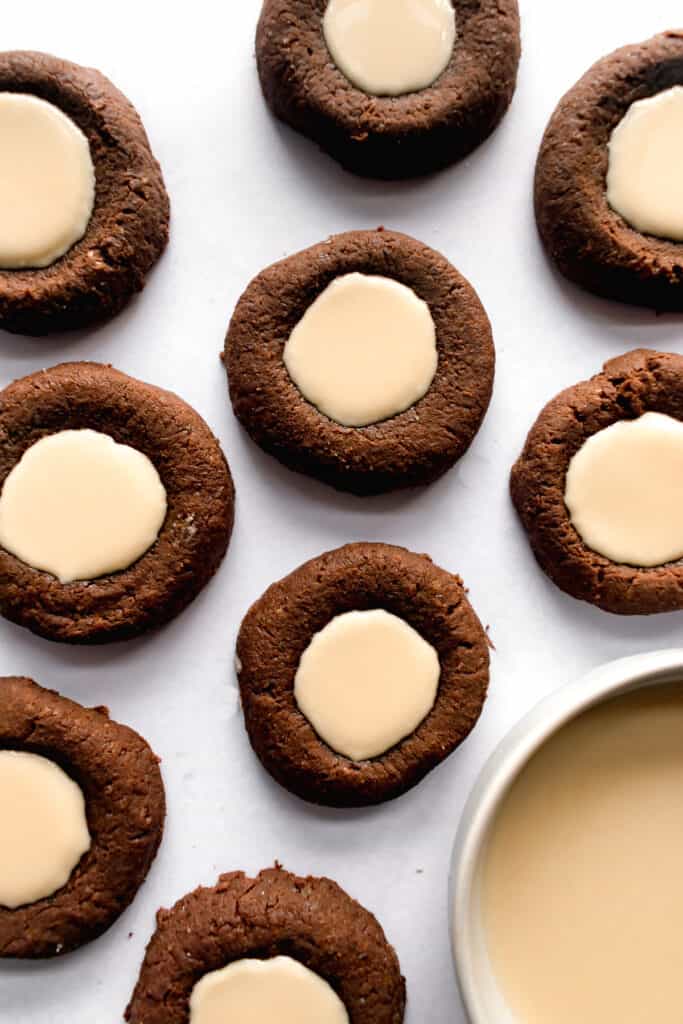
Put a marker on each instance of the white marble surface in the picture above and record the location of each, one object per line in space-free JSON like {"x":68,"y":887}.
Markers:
{"x":246,"y":191}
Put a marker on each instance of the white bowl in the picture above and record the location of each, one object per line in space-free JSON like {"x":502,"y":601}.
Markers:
{"x":482,"y":998}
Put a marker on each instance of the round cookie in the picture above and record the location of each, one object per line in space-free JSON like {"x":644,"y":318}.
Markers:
{"x":128,"y":228}
{"x":412,"y":447}
{"x":385,"y":136}
{"x":199,"y":493}
{"x":279,"y":627}
{"x":311,"y":920}
{"x":629,"y":386}
{"x":125,"y":806}
{"x":588,"y":240}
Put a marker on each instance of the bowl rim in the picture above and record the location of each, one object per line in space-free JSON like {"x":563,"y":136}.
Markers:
{"x":497,"y":775}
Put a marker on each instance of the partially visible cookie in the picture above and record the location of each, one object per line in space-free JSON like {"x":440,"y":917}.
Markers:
{"x":598,"y":486}
{"x":95,"y":463}
{"x":366,"y":361}
{"x":123,"y":228}
{"x":607,"y":205}
{"x":309,"y":922}
{"x":400,"y":89}
{"x":123,"y":803}
{"x":360,"y":672}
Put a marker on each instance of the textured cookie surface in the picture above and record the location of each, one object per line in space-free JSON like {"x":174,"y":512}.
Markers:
{"x":309,"y":919}
{"x":128,"y":229}
{"x":591,"y":243}
{"x":638,"y":382}
{"x":278,"y":628}
{"x":415,"y":446}
{"x":390,"y":136}
{"x":125,"y":808}
{"x":199,"y":491}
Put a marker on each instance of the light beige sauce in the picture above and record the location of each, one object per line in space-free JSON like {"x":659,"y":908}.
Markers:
{"x":366,"y":681}
{"x":624,"y":490}
{"x":645,"y":172}
{"x":364,"y":350}
{"x":390,"y":47}
{"x":47,"y":182}
{"x":43,"y":827}
{"x":582,"y":882}
{"x":276,"y":991}
{"x":79,"y":505}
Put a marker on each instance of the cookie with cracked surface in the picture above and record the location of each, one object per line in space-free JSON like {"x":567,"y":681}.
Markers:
{"x":607,"y":206}
{"x":142,"y":519}
{"x":397,"y":91}
{"x":47,"y":743}
{"x":618,"y":548}
{"x":107,"y":169}
{"x":366,"y":361}
{"x":310,"y":921}
{"x":359,"y":673}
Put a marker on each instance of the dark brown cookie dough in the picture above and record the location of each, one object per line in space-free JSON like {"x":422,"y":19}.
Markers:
{"x":413,"y":447}
{"x":125,"y":808}
{"x":638,"y":382}
{"x":128,"y":229}
{"x":309,"y":919}
{"x":280,"y":625}
{"x":589,"y":241}
{"x":199,"y":489}
{"x":390,"y":136}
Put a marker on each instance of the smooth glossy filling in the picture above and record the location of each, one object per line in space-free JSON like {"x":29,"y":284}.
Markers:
{"x":624,"y":491}
{"x":365,"y":350}
{"x":79,"y":505}
{"x":645,"y":174}
{"x":366,"y":681}
{"x":47,"y":182}
{"x":43,"y":831}
{"x":390,"y":47}
{"x":276,"y":991}
{"x":581,"y":884}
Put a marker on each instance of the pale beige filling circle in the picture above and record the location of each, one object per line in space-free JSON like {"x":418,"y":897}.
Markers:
{"x":645,"y":172}
{"x":276,"y":991}
{"x":624,"y":491}
{"x":47,"y":182}
{"x":79,"y":505}
{"x":44,"y":830}
{"x":390,"y":47}
{"x":366,"y":681}
{"x":364,"y":350}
